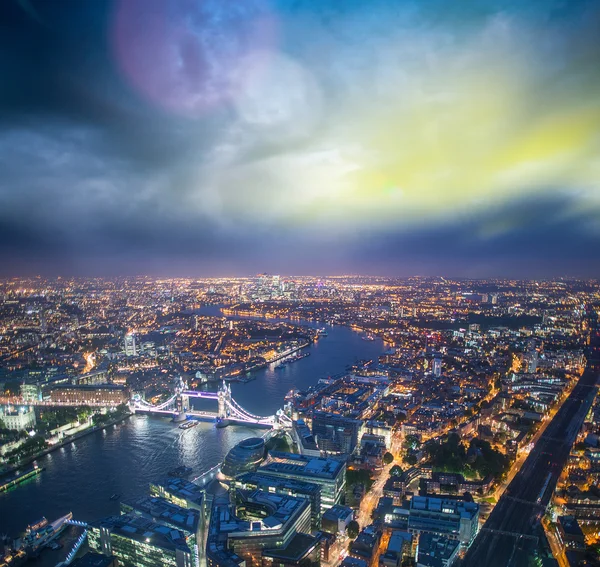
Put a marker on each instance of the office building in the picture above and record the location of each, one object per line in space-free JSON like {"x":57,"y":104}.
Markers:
{"x":31,"y":392}
{"x":335,"y":433}
{"x":302,"y":550}
{"x":454,"y":519}
{"x":400,"y":545}
{"x":336,"y":519}
{"x":139,"y":542}
{"x":437,"y":551}
{"x":437,"y":366}
{"x":328,"y":473}
{"x":287,"y":486}
{"x":180,"y":492}
{"x":171,"y":515}
{"x":130,"y":345}
{"x":91,"y":559}
{"x":259,"y":520}
{"x":304,"y":439}
{"x":570,"y":534}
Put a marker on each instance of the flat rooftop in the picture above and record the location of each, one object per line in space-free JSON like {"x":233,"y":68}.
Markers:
{"x":137,"y":528}
{"x":185,"y":519}
{"x":302,"y":465}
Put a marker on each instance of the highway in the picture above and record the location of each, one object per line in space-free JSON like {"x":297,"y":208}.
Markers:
{"x":511,"y":532}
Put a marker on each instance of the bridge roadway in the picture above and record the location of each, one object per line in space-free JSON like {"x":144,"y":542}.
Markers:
{"x":509,"y":535}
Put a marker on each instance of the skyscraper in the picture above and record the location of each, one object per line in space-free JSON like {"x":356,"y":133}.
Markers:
{"x":437,"y":366}
{"x":130,"y":345}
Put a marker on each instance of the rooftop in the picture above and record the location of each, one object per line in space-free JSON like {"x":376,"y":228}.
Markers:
{"x":144,"y":530}
{"x":182,"y":518}
{"x":314,"y":467}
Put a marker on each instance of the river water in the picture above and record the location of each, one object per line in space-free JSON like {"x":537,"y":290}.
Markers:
{"x":124,"y":458}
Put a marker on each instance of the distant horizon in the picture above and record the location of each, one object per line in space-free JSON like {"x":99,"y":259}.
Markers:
{"x":299,"y":275}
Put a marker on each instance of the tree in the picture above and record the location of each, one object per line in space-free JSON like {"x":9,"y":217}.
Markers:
{"x":411,"y":442}
{"x":410,"y":459}
{"x":396,"y":470}
{"x":352,"y":529}
{"x":400,"y":418}
{"x":388,"y":458}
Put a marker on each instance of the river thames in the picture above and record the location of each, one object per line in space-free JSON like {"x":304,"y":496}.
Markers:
{"x":124,"y":458}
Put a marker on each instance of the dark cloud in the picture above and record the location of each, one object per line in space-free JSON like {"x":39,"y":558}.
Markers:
{"x":96,"y":178}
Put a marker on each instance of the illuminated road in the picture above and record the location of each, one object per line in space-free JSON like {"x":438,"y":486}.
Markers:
{"x":522,"y":457}
{"x":509,"y":535}
{"x":371,"y":498}
{"x":555,"y":546}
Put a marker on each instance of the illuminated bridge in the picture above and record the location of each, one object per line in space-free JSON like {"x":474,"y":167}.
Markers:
{"x":228,"y":410}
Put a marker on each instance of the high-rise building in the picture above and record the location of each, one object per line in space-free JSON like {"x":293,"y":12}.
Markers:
{"x":130,"y":345}
{"x":328,"y":473}
{"x":188,"y":521}
{"x":238,"y":534}
{"x":437,"y":366}
{"x":43,"y":323}
{"x":180,"y":492}
{"x":287,"y":486}
{"x":139,"y":542}
{"x":335,"y":433}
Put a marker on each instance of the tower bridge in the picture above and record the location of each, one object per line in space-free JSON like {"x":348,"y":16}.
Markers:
{"x":228,"y":410}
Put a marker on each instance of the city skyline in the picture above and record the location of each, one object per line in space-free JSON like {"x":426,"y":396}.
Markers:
{"x":229,"y":138}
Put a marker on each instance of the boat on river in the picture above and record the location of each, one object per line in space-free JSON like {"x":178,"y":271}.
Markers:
{"x":41,"y":533}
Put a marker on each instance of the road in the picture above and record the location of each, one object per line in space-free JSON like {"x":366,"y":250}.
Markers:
{"x":557,"y":549}
{"x":522,"y":457}
{"x":371,"y":498}
{"x":510,"y":534}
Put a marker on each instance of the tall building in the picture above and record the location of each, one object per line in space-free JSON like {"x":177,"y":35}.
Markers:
{"x":437,"y":366}
{"x":335,"y":433}
{"x":180,"y":492}
{"x":328,"y":473}
{"x":130,"y":345}
{"x":530,"y":360}
{"x":238,"y":534}
{"x":139,"y":542}
{"x":287,"y":486}
{"x":43,"y":323}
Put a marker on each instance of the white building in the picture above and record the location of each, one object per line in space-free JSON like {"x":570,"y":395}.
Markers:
{"x":130,"y":345}
{"x":18,"y":419}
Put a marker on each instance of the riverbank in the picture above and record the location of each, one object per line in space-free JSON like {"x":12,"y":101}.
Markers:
{"x":263,"y":365}
{"x":64,"y":442}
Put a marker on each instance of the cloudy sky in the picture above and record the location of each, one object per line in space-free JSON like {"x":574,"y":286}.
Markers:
{"x":217,"y":137}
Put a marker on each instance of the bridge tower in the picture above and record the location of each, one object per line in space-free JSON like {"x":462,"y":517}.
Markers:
{"x":224,"y":398}
{"x":183,"y":402}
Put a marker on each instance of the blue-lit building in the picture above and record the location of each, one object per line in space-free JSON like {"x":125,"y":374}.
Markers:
{"x":328,"y":473}
{"x":139,"y":542}
{"x":238,"y":533}
{"x":284,"y":486}
{"x":451,"y":518}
